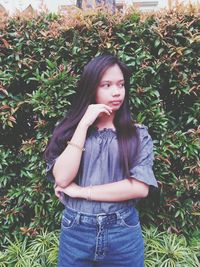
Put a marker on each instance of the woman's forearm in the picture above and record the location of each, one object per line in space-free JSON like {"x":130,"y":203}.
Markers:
{"x":67,"y":164}
{"x":117,"y":191}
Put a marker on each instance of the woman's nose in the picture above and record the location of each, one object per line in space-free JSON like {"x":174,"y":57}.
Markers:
{"x":115,"y":91}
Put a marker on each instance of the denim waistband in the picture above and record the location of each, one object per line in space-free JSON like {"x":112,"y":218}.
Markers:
{"x":101,"y":218}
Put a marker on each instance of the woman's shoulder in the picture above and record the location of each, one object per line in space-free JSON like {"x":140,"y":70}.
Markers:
{"x":140,"y":126}
{"x":142,"y":130}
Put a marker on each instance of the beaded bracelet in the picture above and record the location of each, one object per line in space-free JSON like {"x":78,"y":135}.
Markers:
{"x":75,"y":145}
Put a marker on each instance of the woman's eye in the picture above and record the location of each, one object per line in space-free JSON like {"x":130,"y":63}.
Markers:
{"x":106,"y":85}
{"x":121,"y":85}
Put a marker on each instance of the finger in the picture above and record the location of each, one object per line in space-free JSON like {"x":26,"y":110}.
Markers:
{"x":104,"y":110}
{"x":106,"y":107}
{"x":107,"y":112}
{"x":60,"y":197}
{"x":58,"y":194}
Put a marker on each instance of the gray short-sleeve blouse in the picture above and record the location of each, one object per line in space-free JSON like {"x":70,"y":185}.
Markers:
{"x":100,"y":164}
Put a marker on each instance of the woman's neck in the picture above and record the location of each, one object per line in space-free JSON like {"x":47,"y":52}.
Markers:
{"x":105,"y":121}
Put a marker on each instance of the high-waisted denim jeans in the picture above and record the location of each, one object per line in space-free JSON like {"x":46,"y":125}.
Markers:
{"x":105,"y":239}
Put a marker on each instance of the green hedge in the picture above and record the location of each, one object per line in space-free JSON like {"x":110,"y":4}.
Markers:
{"x":41,"y":60}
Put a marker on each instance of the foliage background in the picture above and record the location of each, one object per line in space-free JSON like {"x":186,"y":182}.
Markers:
{"x":41,"y":60}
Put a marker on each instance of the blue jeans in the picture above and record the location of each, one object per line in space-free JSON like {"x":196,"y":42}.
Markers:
{"x":101,"y":240}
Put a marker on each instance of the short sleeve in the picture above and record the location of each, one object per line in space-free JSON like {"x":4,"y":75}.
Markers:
{"x":142,"y":170}
{"x":49,"y":170}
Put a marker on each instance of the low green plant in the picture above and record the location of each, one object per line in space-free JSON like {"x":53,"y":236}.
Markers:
{"x":162,"y":249}
{"x":40,"y":251}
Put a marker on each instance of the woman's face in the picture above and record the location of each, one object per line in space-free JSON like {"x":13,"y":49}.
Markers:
{"x":111,"y":90}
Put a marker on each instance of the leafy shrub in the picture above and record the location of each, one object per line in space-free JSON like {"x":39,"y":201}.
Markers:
{"x":40,"y":63}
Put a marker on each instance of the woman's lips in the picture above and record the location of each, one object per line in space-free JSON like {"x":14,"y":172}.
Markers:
{"x":115,"y":103}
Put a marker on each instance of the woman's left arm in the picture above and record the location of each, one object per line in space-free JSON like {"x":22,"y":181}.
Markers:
{"x":113,"y":192}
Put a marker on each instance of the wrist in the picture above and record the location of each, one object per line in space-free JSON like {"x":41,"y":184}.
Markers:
{"x":83,"y":192}
{"x":83,"y":125}
{"x":79,"y":192}
{"x":86,"y":192}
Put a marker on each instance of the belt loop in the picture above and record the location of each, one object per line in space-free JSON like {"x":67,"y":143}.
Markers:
{"x":118,"y":215}
{"x":78,"y":216}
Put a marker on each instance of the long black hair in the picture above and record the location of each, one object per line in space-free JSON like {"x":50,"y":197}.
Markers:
{"x":85,"y":95}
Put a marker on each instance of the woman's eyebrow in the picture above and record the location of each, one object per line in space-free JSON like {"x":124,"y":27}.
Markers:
{"x":122,"y":80}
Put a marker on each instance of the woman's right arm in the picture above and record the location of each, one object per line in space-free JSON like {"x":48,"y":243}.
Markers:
{"x":67,"y":164}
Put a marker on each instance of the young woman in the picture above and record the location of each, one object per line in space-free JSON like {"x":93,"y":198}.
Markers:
{"x":101,"y":164}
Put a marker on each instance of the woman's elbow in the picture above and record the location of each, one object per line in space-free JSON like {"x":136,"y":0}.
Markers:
{"x":61,"y":183}
{"x":144,"y":191}
{"x":141,"y":188}
{"x":60,"y":180}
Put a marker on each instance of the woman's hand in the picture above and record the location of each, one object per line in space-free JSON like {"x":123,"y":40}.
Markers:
{"x":93,"y":112}
{"x":72,"y":190}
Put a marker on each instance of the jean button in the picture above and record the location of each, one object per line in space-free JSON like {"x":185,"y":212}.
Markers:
{"x":100,"y":218}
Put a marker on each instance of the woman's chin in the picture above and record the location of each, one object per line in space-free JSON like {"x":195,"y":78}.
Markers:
{"x":115,"y":107}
